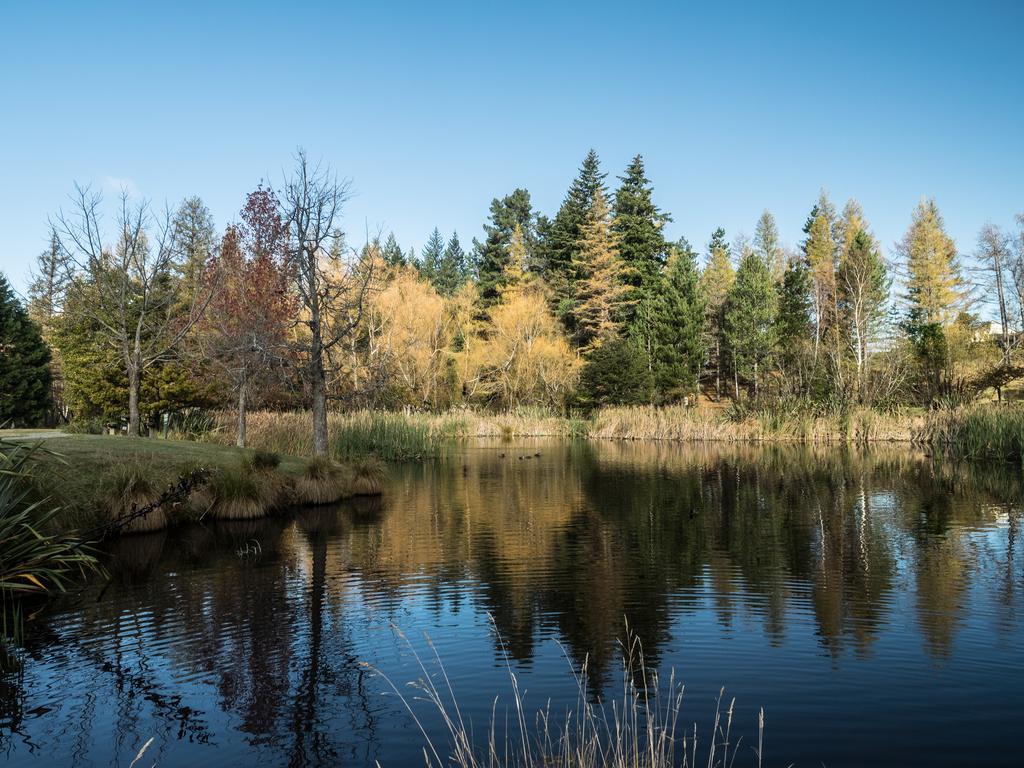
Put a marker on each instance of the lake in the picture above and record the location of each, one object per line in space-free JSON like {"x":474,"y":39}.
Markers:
{"x":872,"y":603}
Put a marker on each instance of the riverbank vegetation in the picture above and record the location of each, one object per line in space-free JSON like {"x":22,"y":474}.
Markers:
{"x":593,"y":311}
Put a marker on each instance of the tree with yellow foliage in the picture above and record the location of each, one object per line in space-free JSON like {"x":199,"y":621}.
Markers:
{"x":935,"y":287}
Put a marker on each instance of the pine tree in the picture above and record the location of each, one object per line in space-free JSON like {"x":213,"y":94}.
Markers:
{"x":491,"y":255}
{"x":617,"y":373}
{"x":820,"y":251}
{"x":430,"y":257}
{"x":599,"y":297}
{"x":392,"y":253}
{"x":767,"y":246}
{"x":452,"y":272}
{"x":679,"y":326}
{"x":24,"y":365}
{"x":715,"y":282}
{"x":563,"y":236}
{"x":638,"y":224}
{"x":49,"y":280}
{"x":750,"y":314}
{"x":794,"y":326}
{"x":194,"y":238}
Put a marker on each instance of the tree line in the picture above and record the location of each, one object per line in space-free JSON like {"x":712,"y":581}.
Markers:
{"x":161,"y":312}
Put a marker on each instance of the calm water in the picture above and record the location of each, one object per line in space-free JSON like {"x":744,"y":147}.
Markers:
{"x":872,"y":604}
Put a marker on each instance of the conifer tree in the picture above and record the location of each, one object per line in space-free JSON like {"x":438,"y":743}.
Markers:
{"x":715,"y":282}
{"x":678,"y":326}
{"x":617,"y":373}
{"x":864,"y":291}
{"x":491,"y":255}
{"x":24,"y":365}
{"x":563,"y":236}
{"x":820,"y":251}
{"x":392,"y":253}
{"x":638,"y":224}
{"x":431,"y":255}
{"x":599,"y":299}
{"x":750,"y":314}
{"x":193,"y":240}
{"x":935,"y":287}
{"x":767,"y":245}
{"x":451,"y":272}
{"x":794,"y":326}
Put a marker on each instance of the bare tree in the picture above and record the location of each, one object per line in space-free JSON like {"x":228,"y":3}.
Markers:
{"x":332,"y":283}
{"x":994,"y":254}
{"x":127,"y":289}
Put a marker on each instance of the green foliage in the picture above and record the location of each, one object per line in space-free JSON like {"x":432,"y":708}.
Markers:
{"x":453,"y":269}
{"x":492,"y":255}
{"x":795,"y":324}
{"x":25,"y":392}
{"x":750,"y":314}
{"x":430,"y":258}
{"x":392,"y":253}
{"x":678,"y":318}
{"x":617,"y":373}
{"x":638,"y":224}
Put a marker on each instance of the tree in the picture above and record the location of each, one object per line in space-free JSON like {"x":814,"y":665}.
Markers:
{"x":564,"y":236}
{"x":392,"y":253}
{"x":192,"y":238}
{"x":995,"y":254}
{"x":750,"y":314}
{"x":715,"y":282}
{"x":452,"y":271}
{"x":934,"y":285}
{"x":45,"y":303}
{"x":864,"y":292}
{"x":332,"y":289}
{"x":820,"y":251}
{"x":24,"y":365}
{"x":599,"y":296}
{"x":129,"y":290}
{"x":431,"y":256}
{"x":638,"y":224}
{"x":492,"y":254}
{"x":617,"y":373}
{"x":244,"y":331}
{"x":794,"y":325}
{"x":767,"y":246}
{"x":679,"y":326}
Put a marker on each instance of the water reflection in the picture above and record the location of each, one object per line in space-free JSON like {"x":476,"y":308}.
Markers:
{"x":805,"y":575}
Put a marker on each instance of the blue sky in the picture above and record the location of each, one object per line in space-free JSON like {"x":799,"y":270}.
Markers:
{"x":434,"y":109}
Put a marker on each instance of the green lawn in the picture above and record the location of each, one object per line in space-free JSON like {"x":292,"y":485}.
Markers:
{"x":72,"y":467}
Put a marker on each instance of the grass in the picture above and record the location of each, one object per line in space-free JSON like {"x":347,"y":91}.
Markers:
{"x":368,"y":476}
{"x":240,"y":492}
{"x":323,"y":481}
{"x":126,"y":488}
{"x":642,"y":727}
{"x":981,"y":433}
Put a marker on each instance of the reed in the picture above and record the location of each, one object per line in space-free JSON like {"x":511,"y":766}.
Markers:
{"x":323,"y":482}
{"x":641,"y":727}
{"x":988,"y":432}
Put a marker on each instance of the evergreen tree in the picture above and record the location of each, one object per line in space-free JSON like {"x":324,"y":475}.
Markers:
{"x":563,"y":236}
{"x":452,"y":272}
{"x":599,"y":298}
{"x":750,"y":314}
{"x":715,"y":282}
{"x":617,"y":373}
{"x":492,"y":254}
{"x":638,"y":224}
{"x":679,"y":326}
{"x":49,"y":280}
{"x":392,"y":253}
{"x":193,"y":238}
{"x":24,"y":365}
{"x":767,"y":245}
{"x":431,"y":255}
{"x":794,"y":325}
{"x":820,"y":251}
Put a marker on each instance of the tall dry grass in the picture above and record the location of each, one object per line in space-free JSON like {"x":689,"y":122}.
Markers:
{"x":641,"y":727}
{"x":991,"y":432}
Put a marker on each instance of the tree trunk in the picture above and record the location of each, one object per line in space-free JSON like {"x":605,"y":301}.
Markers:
{"x":240,"y":438}
{"x":318,"y":392}
{"x":134,"y":383}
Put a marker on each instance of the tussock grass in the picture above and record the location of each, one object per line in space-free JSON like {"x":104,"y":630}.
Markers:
{"x":240,"y":493}
{"x":126,"y":488}
{"x":368,"y":476}
{"x":323,"y":482}
{"x":642,"y":727}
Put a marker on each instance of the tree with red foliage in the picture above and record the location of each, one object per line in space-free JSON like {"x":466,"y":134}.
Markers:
{"x":244,"y":332}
